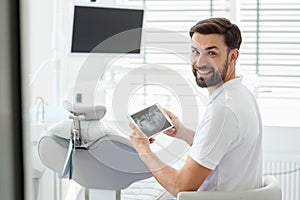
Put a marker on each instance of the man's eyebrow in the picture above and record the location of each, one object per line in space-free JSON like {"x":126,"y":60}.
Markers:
{"x":211,"y":47}
{"x":207,"y":48}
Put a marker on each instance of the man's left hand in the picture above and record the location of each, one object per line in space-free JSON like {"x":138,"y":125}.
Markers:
{"x":139,"y":140}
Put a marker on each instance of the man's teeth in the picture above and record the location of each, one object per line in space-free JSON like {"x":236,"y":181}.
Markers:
{"x":204,"y":71}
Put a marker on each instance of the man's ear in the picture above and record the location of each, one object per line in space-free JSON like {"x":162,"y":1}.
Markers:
{"x":233,"y":56}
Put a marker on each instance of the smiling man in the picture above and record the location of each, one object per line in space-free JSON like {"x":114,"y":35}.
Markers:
{"x":226,"y":149}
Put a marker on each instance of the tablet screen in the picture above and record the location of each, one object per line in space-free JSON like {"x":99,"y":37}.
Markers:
{"x":152,"y":120}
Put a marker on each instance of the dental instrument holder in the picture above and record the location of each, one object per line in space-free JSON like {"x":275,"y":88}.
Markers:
{"x":79,"y":113}
{"x":74,"y":142}
{"x":76,"y":131}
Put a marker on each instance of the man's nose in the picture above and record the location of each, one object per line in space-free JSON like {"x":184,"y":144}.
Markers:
{"x":202,"y":60}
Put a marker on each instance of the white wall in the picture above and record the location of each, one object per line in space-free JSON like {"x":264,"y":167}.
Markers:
{"x":281,"y":140}
{"x":42,"y":43}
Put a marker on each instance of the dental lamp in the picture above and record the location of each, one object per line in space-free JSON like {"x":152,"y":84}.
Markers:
{"x":83,"y":150}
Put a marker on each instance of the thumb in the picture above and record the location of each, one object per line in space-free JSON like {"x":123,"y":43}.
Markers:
{"x":137,"y":131}
{"x":170,"y":114}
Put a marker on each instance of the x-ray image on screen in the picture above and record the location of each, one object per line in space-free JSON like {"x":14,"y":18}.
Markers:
{"x":151,"y":120}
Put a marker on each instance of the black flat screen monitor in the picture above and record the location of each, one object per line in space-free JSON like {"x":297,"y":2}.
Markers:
{"x":101,"y":29}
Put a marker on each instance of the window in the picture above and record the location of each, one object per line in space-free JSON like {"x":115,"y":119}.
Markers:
{"x":271,"y":50}
{"x":271,"y":31}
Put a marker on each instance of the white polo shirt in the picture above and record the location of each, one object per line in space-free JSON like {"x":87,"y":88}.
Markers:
{"x":228,"y":140}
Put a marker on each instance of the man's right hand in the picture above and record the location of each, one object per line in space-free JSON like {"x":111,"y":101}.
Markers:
{"x":179,"y":130}
{"x":173,"y":132}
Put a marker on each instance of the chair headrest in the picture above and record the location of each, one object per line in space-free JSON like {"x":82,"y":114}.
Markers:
{"x":90,"y":112}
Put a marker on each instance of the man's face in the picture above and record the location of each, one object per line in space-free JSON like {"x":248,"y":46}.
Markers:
{"x":209,"y":59}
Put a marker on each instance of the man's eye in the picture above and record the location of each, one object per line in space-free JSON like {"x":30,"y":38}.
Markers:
{"x":194,"y":51}
{"x":211,"y":53}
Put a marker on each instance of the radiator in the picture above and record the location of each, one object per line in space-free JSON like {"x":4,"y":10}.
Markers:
{"x":286,"y":169}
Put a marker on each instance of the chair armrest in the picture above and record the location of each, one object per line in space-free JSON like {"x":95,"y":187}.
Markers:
{"x":270,"y":190}
{"x":209,"y":195}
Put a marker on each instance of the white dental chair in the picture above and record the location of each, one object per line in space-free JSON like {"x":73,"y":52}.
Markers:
{"x":270,"y":191}
{"x":93,"y":157}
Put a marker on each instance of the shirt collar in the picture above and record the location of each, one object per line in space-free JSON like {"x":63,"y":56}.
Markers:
{"x":221,"y":89}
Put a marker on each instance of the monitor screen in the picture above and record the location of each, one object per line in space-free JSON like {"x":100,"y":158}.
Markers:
{"x":99,"y":29}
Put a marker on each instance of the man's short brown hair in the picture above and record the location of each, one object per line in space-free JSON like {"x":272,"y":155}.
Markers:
{"x":222,"y":26}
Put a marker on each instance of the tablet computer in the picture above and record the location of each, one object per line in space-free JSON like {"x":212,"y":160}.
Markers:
{"x":151,"y":120}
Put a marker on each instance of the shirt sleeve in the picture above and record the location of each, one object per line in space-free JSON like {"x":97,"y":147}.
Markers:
{"x":214,"y":136}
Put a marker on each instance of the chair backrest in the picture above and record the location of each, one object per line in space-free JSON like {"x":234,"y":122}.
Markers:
{"x":270,"y":190}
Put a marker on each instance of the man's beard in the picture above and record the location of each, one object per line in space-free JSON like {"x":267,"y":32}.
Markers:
{"x":215,"y":78}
